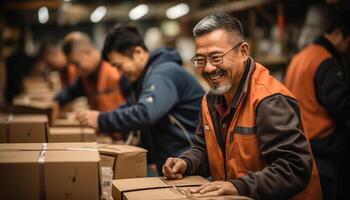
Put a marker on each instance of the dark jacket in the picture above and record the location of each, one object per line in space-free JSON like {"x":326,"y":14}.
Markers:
{"x":333,"y":93}
{"x":164,"y":107}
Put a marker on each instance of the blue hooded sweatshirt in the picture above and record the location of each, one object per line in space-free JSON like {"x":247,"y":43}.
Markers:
{"x":164,"y":107}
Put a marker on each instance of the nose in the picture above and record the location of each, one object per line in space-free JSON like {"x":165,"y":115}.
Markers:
{"x":209,"y":67}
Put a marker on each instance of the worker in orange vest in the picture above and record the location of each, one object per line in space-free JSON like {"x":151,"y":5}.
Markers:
{"x":102,"y":84}
{"x":316,"y":78}
{"x":250,"y":138}
{"x":52,"y":54}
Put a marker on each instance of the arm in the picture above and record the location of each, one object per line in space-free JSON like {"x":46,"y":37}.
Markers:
{"x":70,"y":92}
{"x":283,"y":147}
{"x":158,"y":96}
{"x":197,"y":158}
{"x":332,"y":90}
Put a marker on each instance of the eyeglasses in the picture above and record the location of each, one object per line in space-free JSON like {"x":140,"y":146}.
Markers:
{"x":201,"y":61}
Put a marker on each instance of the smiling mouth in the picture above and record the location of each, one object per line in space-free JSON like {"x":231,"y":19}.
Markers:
{"x":215,"y":75}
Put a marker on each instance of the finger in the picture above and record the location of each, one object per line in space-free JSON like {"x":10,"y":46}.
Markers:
{"x":168,"y":172}
{"x":221,"y":191}
{"x":178,"y":166}
{"x":198,"y":189}
{"x":209,"y":188}
{"x":178,"y":176}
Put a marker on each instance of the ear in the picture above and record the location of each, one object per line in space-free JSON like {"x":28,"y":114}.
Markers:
{"x":138,"y":50}
{"x":244,"y":51}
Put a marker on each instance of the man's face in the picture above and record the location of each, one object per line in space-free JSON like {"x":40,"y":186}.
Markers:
{"x":221,"y":77}
{"x":130,"y":67}
{"x":55,"y":58}
{"x":83,"y":60}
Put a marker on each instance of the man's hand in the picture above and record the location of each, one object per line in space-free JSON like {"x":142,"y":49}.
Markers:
{"x":174,"y":168}
{"x":221,"y":188}
{"x":88,"y":118}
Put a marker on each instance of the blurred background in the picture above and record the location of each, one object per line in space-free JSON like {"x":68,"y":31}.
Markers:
{"x":275,"y":29}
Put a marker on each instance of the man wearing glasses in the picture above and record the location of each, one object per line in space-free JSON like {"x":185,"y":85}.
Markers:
{"x":250,"y":138}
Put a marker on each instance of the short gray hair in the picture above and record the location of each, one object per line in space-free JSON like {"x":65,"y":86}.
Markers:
{"x":218,"y":21}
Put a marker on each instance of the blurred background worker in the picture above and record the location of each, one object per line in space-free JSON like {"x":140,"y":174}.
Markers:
{"x":165,"y":101}
{"x":98,"y":80}
{"x":52,"y":54}
{"x":316,"y":77}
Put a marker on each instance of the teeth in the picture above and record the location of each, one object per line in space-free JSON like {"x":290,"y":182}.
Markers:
{"x":216,"y":76}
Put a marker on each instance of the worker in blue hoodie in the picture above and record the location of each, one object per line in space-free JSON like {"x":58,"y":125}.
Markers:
{"x":165,"y":102}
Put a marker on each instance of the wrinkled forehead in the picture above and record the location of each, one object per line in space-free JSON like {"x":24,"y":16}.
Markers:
{"x":216,"y":40}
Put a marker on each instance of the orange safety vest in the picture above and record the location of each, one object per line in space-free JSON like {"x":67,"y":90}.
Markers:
{"x":300,"y":80}
{"x":106,"y":95}
{"x":72,"y":74}
{"x":242,"y":154}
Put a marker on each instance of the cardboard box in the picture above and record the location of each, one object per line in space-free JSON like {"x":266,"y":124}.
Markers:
{"x":122,"y":188}
{"x":59,"y":171}
{"x":23,"y":128}
{"x":157,"y":188}
{"x":65,"y":123}
{"x":126,"y":161}
{"x":71,"y":134}
{"x":48,"y":108}
{"x":179,"y":194}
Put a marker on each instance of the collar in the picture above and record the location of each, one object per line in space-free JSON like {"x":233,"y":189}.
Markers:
{"x":323,"y":41}
{"x":242,"y":87}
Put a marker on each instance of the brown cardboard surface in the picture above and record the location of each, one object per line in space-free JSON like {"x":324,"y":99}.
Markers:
{"x":24,"y":128}
{"x":170,"y":194}
{"x":69,"y":171}
{"x":71,"y":134}
{"x":65,"y":123}
{"x":49,"y":108}
{"x":126,"y":161}
{"x":122,"y":186}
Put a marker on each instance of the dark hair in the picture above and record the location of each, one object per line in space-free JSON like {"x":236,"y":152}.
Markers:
{"x":48,"y":44}
{"x":339,"y":17}
{"x":218,"y":21}
{"x":123,"y":38}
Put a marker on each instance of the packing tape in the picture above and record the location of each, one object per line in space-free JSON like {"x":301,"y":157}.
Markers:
{"x":41,"y":160}
{"x":82,"y":136}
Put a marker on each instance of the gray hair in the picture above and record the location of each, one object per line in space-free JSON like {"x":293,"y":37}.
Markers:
{"x":218,"y":21}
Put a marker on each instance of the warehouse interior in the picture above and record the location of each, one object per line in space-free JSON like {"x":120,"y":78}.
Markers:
{"x":55,"y":143}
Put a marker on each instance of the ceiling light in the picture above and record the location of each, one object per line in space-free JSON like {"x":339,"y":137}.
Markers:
{"x":177,"y":11}
{"x":43,"y":15}
{"x":98,"y":14}
{"x":138,"y":12}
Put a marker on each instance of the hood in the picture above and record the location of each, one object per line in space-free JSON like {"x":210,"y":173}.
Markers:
{"x":162,"y":55}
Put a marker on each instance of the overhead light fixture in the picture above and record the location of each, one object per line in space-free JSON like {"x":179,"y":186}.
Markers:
{"x":177,"y":11}
{"x":67,"y":0}
{"x":138,"y":12}
{"x":43,"y":15}
{"x":98,"y":14}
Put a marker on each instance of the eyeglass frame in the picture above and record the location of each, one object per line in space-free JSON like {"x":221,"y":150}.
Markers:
{"x":210,"y":57}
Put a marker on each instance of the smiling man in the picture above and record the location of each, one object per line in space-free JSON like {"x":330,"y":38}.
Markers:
{"x":250,"y":138}
{"x":165,"y":102}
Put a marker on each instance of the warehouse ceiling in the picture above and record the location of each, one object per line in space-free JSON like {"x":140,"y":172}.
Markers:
{"x":70,"y":12}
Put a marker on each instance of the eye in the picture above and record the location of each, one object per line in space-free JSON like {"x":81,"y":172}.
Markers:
{"x":216,"y":59}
